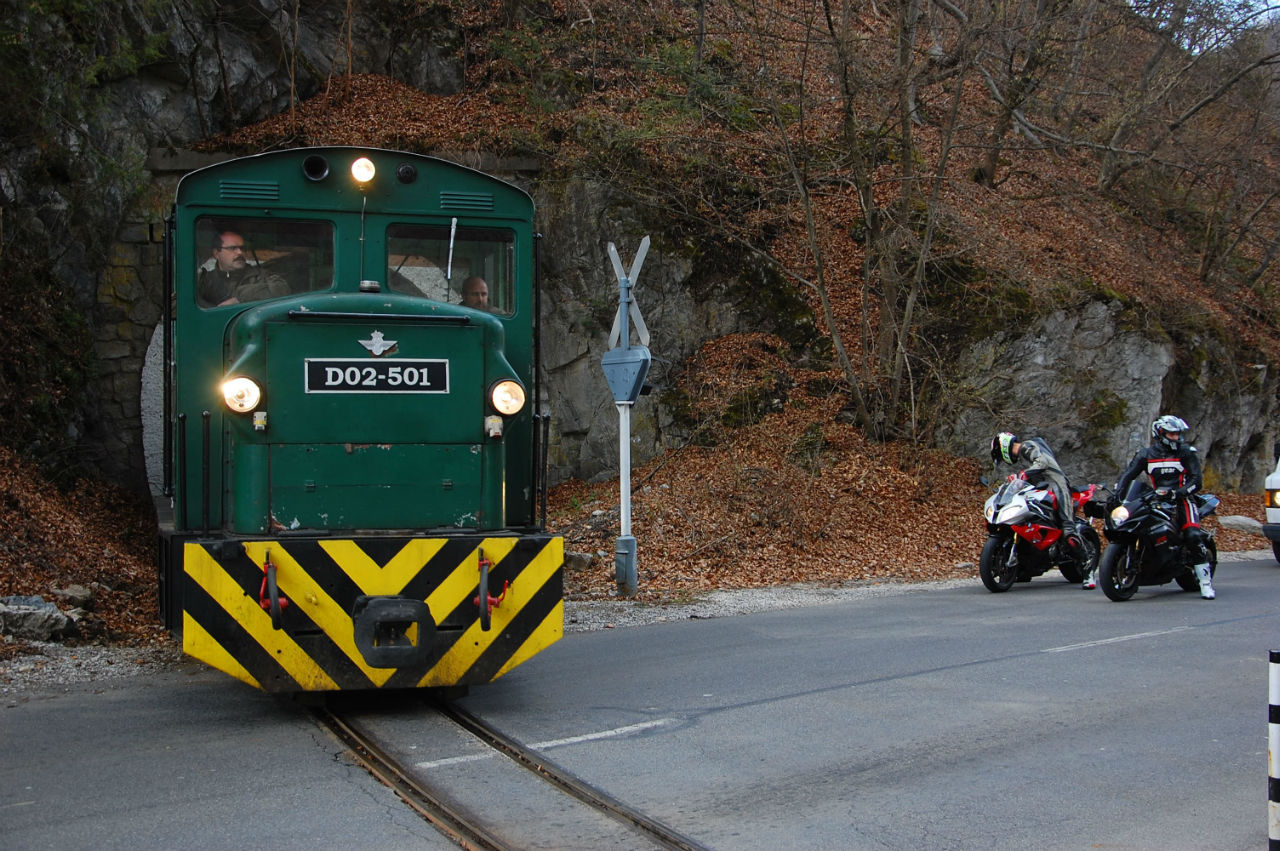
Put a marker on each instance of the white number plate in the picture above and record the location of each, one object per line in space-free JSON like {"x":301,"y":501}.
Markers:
{"x":361,"y":375}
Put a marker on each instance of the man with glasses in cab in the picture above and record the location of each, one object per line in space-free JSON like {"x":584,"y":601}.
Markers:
{"x":231,"y":279}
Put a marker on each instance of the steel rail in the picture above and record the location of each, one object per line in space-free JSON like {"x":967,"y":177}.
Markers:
{"x":565,"y":781}
{"x":456,"y":825}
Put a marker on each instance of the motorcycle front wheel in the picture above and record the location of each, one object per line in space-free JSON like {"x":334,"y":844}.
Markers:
{"x":994,"y":568}
{"x":1118,"y":571}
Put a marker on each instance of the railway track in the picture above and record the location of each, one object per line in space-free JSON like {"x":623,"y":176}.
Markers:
{"x":498,"y":794}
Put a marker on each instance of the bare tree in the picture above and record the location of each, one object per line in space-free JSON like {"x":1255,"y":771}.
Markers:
{"x":1183,"y":74}
{"x":1018,"y":53}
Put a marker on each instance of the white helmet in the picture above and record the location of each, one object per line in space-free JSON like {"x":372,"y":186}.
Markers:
{"x":1164,"y":429}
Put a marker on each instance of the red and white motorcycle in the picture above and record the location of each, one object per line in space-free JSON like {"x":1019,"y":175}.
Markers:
{"x":1024,"y":539}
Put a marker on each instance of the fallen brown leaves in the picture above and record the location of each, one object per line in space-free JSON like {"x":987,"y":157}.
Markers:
{"x":94,"y":535}
{"x":373,"y":110}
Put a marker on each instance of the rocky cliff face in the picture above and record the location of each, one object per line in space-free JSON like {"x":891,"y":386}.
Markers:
{"x":1086,"y":380}
{"x":579,"y":220}
{"x":1091,"y":385}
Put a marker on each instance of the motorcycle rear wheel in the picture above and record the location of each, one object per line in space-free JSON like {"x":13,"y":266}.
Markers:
{"x":1189,"y":581}
{"x":1118,"y":572}
{"x":1074,"y":572}
{"x":994,"y":568}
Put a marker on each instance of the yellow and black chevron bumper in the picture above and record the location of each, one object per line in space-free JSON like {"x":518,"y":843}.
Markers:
{"x":320,"y":614}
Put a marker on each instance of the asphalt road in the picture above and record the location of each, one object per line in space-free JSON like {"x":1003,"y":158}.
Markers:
{"x":190,"y":760}
{"x":1045,"y":717}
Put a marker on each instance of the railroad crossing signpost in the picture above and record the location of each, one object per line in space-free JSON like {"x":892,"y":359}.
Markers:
{"x":625,"y":368}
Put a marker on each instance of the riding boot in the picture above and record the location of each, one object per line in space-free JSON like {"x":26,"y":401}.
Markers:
{"x":1206,"y":581}
{"x":1090,"y":580}
{"x":1075,"y":550}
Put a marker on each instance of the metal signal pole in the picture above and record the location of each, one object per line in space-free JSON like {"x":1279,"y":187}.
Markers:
{"x":625,"y":368}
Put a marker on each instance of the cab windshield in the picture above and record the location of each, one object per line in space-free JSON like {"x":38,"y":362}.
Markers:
{"x":473,"y":267}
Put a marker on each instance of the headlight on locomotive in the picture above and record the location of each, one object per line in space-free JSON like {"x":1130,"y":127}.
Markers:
{"x":241,"y":394}
{"x":363,"y":170}
{"x":507,"y":397}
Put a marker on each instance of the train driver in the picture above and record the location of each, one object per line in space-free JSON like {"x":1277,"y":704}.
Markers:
{"x":231,"y":279}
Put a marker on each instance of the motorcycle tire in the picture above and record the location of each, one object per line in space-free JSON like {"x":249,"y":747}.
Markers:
{"x":1118,"y":572}
{"x":1073,"y":571}
{"x":1188,"y":581}
{"x":993,"y":566}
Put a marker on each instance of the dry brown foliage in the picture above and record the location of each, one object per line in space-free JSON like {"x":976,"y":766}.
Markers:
{"x":94,"y":535}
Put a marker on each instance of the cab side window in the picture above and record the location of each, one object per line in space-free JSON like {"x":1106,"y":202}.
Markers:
{"x":247,"y":260}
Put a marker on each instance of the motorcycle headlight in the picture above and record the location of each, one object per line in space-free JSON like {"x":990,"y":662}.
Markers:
{"x":1119,"y":514}
{"x":1010,"y":514}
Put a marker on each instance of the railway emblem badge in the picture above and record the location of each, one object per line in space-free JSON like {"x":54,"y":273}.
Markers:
{"x":377,"y":344}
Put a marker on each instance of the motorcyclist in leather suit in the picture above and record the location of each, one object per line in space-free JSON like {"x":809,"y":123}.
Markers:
{"x":1174,"y":467}
{"x":1043,"y":467}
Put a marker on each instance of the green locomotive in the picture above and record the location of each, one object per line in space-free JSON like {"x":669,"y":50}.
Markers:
{"x":355,"y":467}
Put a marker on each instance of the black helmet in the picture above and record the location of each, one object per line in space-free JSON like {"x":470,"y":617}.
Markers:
{"x":1164,"y":429}
{"x":1001,"y":447}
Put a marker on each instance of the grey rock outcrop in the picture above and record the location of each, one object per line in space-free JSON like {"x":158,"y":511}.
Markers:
{"x":1091,"y":384}
{"x":75,"y":597}
{"x":1241,"y":524}
{"x":580,"y":219}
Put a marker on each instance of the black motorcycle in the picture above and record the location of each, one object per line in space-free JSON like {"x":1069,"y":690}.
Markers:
{"x":1146,"y":545}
